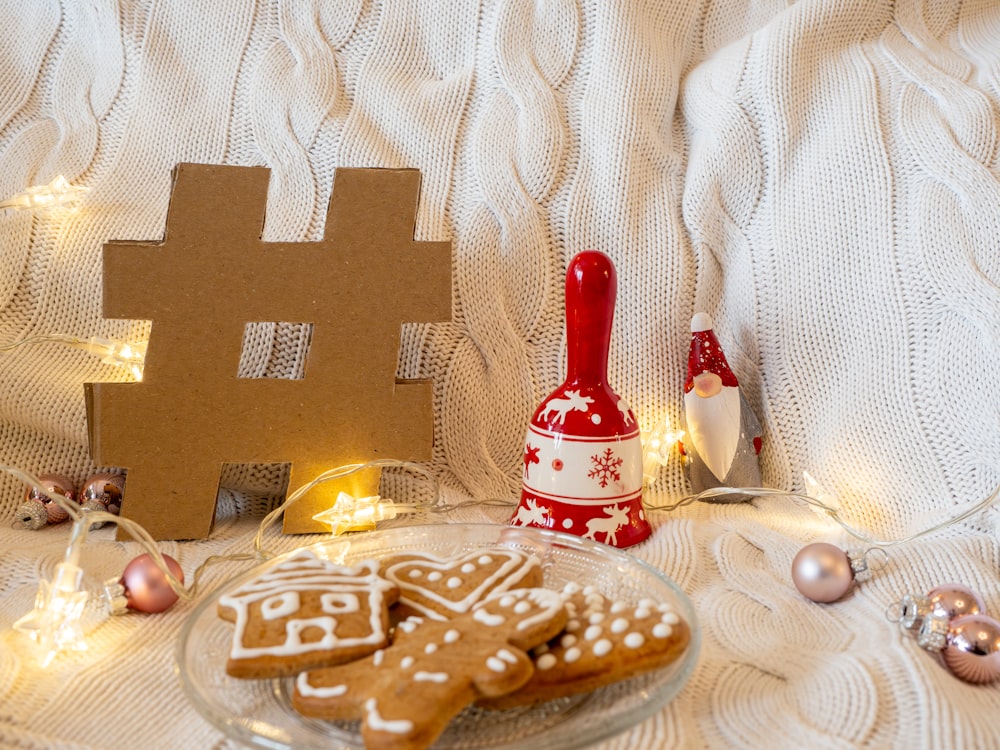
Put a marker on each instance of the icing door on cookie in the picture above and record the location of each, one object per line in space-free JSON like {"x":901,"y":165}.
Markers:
{"x":582,"y":469}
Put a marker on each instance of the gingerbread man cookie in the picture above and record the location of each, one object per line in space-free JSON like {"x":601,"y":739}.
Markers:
{"x":304,"y":613}
{"x":604,"y":641}
{"x":406,"y":694}
{"x":441,"y":588}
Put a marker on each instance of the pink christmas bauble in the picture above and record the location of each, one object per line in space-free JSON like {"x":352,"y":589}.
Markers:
{"x":953,"y":600}
{"x":59,"y":485}
{"x":822,"y":572}
{"x":146,"y":587}
{"x":972,"y":651}
{"x":105,"y":488}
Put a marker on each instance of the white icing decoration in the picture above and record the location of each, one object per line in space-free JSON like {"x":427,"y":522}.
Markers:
{"x":451,"y":636}
{"x":310,"y":579}
{"x":618,"y":607}
{"x":512,"y":568}
{"x":567,"y":640}
{"x":603,"y":647}
{"x":430,"y":648}
{"x":592,"y":633}
{"x":572,"y":626}
{"x":307,"y":689}
{"x":596,"y":617}
{"x":454,"y":582}
{"x":571,"y":655}
{"x":336,"y":603}
{"x":507,"y":601}
{"x":507,"y":656}
{"x":415,"y":573}
{"x":522,"y":607}
{"x":670,"y":618}
{"x":281,"y":605}
{"x":634,"y":640}
{"x":495,"y":664}
{"x":430,"y":677}
{"x":642,"y":613}
{"x":406,"y":662}
{"x":662,"y":630}
{"x":620,"y":625}
{"x":376,"y":722}
{"x":377,"y":657}
{"x":546,"y":661}
{"x":481,"y":615}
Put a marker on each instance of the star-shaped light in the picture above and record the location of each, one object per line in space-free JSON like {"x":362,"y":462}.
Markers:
{"x":57,"y":193}
{"x":656,"y":446}
{"x":54,"y":623}
{"x":358,"y":514}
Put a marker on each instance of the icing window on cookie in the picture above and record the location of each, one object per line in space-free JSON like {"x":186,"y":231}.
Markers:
{"x":336,"y":603}
{"x":281,"y":605}
{"x":376,"y":722}
{"x":295,"y":628}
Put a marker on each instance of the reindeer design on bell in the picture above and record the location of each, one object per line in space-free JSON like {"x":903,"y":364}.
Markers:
{"x":569,"y":401}
{"x":530,"y":514}
{"x":617,"y":517}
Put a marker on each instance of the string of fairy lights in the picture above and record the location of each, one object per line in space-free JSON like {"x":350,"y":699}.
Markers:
{"x":54,"y":623}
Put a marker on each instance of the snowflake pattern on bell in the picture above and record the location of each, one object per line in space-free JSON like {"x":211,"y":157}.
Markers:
{"x":605,"y":467}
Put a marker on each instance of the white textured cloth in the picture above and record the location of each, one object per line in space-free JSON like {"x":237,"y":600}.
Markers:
{"x":822,"y":178}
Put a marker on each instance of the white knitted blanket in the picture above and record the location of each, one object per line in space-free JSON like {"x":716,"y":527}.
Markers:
{"x":822,"y":178}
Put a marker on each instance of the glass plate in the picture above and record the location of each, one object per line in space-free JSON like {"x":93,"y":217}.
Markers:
{"x":259,"y":712}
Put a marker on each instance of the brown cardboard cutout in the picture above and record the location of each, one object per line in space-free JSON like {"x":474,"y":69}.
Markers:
{"x":212,"y":275}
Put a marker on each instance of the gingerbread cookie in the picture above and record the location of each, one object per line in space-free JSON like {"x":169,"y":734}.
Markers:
{"x":441,"y":588}
{"x":304,"y":613}
{"x":604,"y":641}
{"x":406,"y":694}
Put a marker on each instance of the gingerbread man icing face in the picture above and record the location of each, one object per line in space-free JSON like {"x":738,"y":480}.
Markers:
{"x":406,"y":694}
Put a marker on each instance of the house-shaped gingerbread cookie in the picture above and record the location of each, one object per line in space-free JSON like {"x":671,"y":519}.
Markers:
{"x":304,"y":613}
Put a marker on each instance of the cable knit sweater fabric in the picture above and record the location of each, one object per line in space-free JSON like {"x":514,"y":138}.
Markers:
{"x":822,"y":177}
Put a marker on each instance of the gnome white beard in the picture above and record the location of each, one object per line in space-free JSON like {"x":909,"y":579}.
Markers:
{"x":713,"y":426}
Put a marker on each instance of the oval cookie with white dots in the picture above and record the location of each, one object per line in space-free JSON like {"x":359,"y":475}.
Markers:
{"x":440,"y":588}
{"x":604,"y":641}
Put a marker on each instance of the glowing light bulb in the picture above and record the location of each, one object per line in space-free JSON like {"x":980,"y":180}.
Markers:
{"x":57,"y":193}
{"x":54,"y":623}
{"x":657,"y":444}
{"x":359,"y":514}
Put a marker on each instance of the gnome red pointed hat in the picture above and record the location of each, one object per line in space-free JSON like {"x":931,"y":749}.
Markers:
{"x":705,"y":354}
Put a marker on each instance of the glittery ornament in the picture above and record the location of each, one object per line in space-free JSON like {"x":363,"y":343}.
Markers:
{"x":58,"y":484}
{"x":146,"y":586}
{"x":31,"y":514}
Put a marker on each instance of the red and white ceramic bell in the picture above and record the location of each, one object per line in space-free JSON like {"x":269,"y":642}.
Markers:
{"x":582,"y":454}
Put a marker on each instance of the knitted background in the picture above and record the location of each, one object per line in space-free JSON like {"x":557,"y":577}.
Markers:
{"x":822,"y":178}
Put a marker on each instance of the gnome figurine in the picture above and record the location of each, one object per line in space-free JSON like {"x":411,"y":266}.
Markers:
{"x":722,"y":436}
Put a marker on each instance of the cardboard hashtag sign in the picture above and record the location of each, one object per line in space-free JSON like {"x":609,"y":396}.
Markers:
{"x":211,"y":276}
